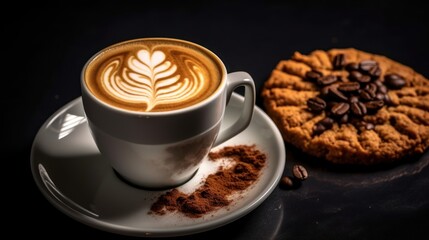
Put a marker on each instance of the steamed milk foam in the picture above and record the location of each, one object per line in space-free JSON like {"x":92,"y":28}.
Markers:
{"x":153,"y":75}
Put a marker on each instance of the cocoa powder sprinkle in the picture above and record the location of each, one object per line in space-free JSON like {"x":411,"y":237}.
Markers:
{"x":247,"y":163}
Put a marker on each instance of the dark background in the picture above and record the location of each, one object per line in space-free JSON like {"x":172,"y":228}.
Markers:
{"x":48,"y":44}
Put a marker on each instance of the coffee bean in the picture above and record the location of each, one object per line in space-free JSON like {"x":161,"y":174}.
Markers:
{"x":362,"y":125}
{"x":341,"y":79}
{"x":354,"y":75}
{"x":359,"y":77}
{"x":313,"y":75}
{"x":380,"y":96}
{"x":334,"y":92}
{"x":367,"y":94}
{"x":344,"y":118}
{"x":382,"y":89}
{"x":371,"y":87}
{"x":378,"y":83}
{"x":374,"y":72}
{"x":352,"y":67}
{"x":327,"y":122}
{"x":339,"y":61}
{"x":287,"y":182}
{"x":388,"y":100}
{"x":318,"y":128}
{"x":349,"y":86}
{"x":347,"y":100}
{"x":394,"y":81}
{"x":299,"y":172}
{"x":366,"y":65}
{"x":316,"y":104}
{"x":325,"y":91}
{"x":358,"y":109}
{"x":364,"y":79}
{"x":354,"y":99}
{"x":326,"y":80}
{"x":340,"y":108}
{"x":374,"y":105}
{"x":323,"y":125}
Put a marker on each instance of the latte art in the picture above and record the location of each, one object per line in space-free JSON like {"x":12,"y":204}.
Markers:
{"x":153,"y":77}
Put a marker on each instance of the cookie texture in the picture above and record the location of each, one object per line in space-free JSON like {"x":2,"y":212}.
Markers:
{"x":364,"y":108}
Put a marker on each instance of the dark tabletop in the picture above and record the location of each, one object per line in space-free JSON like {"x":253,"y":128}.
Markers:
{"x":55,"y":40}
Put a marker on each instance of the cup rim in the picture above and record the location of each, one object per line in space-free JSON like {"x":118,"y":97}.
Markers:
{"x":190,"y":108}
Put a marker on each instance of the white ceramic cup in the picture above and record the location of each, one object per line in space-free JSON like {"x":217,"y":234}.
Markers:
{"x":165,"y":149}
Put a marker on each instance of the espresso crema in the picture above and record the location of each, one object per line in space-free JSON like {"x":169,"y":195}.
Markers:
{"x":153,"y":75}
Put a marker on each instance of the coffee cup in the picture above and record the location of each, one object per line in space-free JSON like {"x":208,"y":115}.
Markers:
{"x":155,"y":107}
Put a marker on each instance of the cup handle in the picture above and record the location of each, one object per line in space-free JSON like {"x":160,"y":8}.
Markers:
{"x":235,"y":80}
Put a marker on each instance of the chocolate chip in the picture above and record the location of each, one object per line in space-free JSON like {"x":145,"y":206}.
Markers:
{"x":316,"y":104}
{"x":339,"y":61}
{"x":394,"y":81}
{"x":313,"y":75}
{"x":340,"y":108}
{"x":366,"y":65}
{"x":299,"y":172}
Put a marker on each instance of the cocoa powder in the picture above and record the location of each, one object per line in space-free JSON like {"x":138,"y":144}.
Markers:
{"x":247,"y":162}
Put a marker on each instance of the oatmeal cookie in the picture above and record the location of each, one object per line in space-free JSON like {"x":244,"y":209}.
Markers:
{"x":349,"y":107}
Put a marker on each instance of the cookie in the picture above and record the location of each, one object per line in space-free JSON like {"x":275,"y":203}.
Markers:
{"x":349,"y":107}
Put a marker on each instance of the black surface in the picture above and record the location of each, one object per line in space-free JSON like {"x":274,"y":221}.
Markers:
{"x":53,"y":41}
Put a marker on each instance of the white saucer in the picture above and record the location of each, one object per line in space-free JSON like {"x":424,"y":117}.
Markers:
{"x":74,"y":177}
